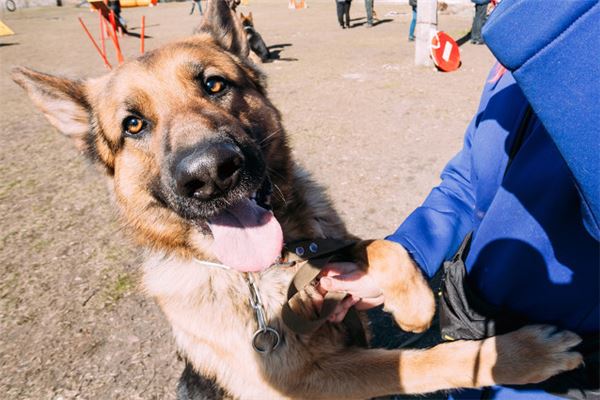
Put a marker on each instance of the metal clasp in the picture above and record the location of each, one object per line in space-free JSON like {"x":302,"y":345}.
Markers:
{"x":265,"y":332}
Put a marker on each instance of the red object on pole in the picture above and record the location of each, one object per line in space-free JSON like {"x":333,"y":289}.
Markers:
{"x":95,"y":45}
{"x":444,"y":52}
{"x":111,"y":17}
{"x":114,"y":37}
{"x":142,"y":34}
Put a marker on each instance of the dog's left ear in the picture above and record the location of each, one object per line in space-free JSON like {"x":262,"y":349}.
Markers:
{"x":63,"y":102}
{"x":221,"y":22}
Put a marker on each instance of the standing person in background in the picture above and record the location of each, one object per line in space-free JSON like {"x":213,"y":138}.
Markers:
{"x":343,"y":10}
{"x":369,"y":9}
{"x":413,"y":21}
{"x":115,"y":6}
{"x":479,"y":20}
{"x":194,"y":3}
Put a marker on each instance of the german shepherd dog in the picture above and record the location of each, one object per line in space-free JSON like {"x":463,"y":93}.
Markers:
{"x":187,"y":138}
{"x":255,"y":40}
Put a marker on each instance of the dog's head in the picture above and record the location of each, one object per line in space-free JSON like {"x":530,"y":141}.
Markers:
{"x":247,"y":19}
{"x":186,"y":135}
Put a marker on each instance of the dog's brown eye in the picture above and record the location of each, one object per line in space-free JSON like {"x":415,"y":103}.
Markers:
{"x":133,"y":125}
{"x":214,"y":85}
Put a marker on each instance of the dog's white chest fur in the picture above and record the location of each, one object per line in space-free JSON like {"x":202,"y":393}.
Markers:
{"x":212,"y":320}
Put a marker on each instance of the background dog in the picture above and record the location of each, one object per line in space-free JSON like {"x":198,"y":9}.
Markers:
{"x":256,"y":42}
{"x":187,"y":137}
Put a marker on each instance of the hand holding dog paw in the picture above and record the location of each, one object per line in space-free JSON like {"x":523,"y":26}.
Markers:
{"x":407,"y":295}
{"x":363,"y":291}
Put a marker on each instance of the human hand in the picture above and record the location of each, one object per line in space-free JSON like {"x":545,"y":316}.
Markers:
{"x":385,"y":272}
{"x":363,"y":291}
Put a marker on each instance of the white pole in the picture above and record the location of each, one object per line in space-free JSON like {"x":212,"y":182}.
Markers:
{"x":426,"y":29}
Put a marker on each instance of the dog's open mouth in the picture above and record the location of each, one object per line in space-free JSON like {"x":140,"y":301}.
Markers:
{"x":232,"y":200}
{"x":246,"y":236}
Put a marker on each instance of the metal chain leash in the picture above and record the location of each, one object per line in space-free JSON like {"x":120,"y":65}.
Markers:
{"x":264,"y":332}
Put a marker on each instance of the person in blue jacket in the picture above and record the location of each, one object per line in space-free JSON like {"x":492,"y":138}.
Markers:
{"x":535,"y":248}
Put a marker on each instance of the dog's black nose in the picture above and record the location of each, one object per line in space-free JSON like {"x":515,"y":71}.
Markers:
{"x":209,"y":172}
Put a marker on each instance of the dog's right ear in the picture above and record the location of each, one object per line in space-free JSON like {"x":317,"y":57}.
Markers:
{"x":62,"y":101}
{"x":222,"y":23}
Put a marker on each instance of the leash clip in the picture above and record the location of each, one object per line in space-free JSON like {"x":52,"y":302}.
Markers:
{"x":264,"y":331}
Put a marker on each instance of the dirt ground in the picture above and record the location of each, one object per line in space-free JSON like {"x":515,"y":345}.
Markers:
{"x":372,"y":128}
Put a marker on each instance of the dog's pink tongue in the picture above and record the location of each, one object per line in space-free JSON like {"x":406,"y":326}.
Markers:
{"x":246,"y":237}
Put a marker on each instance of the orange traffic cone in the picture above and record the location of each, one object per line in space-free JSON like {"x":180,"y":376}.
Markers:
{"x":297,"y":5}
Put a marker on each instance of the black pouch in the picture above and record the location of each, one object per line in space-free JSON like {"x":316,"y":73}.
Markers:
{"x":463,"y":314}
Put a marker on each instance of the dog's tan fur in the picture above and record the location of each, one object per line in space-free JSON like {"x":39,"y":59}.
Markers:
{"x":208,"y":308}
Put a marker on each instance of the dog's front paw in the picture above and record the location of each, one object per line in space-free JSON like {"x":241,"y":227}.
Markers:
{"x":407,"y":295}
{"x":533,"y":354}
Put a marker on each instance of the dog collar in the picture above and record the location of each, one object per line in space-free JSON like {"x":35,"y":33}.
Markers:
{"x":266,"y":338}
{"x":313,"y":255}
{"x":280,"y":263}
{"x":211,"y":264}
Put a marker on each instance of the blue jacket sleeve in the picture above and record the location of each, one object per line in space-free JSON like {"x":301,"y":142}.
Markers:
{"x":433,"y":232}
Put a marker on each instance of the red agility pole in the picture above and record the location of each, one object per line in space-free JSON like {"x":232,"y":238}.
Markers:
{"x":95,"y":45}
{"x":114,"y":37}
{"x":142,"y":34}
